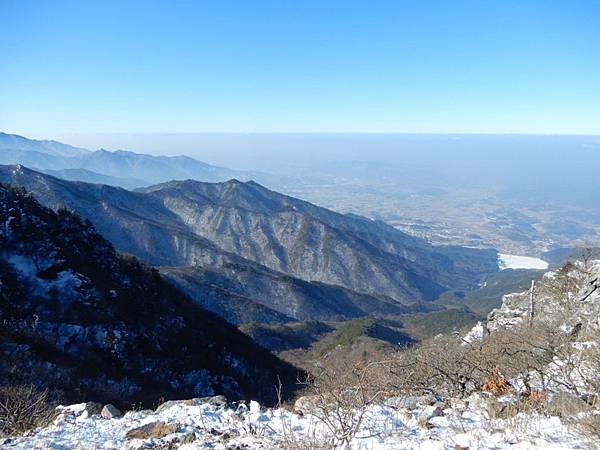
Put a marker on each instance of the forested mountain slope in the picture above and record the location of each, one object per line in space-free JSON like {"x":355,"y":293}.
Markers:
{"x":91,"y":324}
{"x":209,"y":224}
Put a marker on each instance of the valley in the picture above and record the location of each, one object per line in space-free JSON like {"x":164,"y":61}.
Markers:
{"x":450,"y":215}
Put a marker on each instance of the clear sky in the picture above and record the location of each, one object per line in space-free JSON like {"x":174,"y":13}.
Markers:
{"x":504,"y":66}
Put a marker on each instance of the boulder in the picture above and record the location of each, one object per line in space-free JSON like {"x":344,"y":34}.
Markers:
{"x":153,"y":430}
{"x":111,"y":412}
{"x":187,"y":438}
{"x":93,"y":408}
{"x":428,"y":413}
{"x":477,"y":401}
{"x":218,"y":401}
{"x":169,"y":404}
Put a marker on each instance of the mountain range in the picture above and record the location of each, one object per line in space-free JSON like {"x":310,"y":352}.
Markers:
{"x":196,"y":224}
{"x":120,"y":168}
{"x":240,"y":250}
{"x":108,"y":252}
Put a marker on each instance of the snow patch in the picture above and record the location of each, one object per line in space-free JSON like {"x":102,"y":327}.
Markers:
{"x":476,"y":334}
{"x":507,"y":261}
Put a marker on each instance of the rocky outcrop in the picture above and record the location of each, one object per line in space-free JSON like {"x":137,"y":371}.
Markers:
{"x":568,"y":297}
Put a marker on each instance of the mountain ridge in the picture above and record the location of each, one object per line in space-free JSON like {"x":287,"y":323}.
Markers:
{"x":180,"y":226}
{"x":50,"y":147}
{"x":104,"y":206}
{"x":125,"y":168}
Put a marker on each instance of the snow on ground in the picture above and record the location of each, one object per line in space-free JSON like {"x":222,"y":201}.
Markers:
{"x":476,"y":334}
{"x":506,"y":261}
{"x":203,"y":425}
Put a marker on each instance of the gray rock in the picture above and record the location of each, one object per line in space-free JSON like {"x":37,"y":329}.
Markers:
{"x":575,"y":321}
{"x":110,"y":412}
{"x":218,"y":401}
{"x":169,"y":404}
{"x":93,"y":408}
{"x":428,"y":413}
{"x":187,"y":438}
{"x":154,"y":430}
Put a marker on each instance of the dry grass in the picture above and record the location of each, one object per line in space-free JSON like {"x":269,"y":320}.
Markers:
{"x":590,"y":424}
{"x":23,"y":408}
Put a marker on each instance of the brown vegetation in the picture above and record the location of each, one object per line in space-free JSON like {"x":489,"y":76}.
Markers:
{"x":23,"y":408}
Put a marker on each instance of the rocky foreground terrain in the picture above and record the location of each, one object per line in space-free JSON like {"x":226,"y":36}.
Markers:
{"x":212,"y":423}
{"x":554,"y":406}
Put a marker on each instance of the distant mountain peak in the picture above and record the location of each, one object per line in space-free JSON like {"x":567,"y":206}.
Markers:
{"x":49,"y":147}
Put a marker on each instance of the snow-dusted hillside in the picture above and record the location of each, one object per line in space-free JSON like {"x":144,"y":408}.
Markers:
{"x":62,"y":280}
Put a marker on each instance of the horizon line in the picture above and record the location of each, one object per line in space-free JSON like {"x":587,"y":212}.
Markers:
{"x":308,"y":133}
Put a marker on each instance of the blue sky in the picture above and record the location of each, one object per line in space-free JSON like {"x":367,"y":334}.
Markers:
{"x":299,"y":66}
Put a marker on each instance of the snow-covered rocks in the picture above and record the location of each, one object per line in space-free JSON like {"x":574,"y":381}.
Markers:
{"x":477,"y":401}
{"x":567,"y":298}
{"x":206,"y":424}
{"x":428,"y":413}
{"x":110,"y":412}
{"x":218,"y":401}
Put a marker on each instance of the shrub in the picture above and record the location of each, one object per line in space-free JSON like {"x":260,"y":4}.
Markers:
{"x":23,"y":408}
